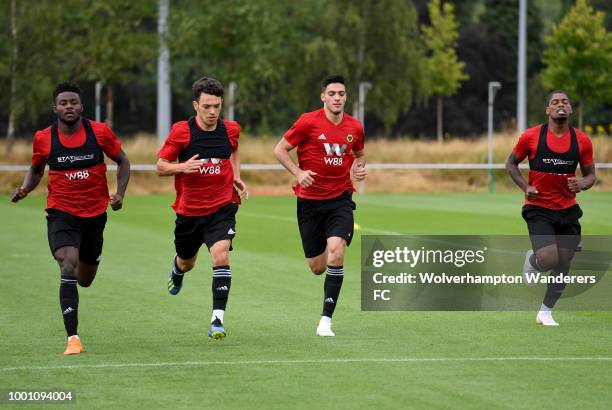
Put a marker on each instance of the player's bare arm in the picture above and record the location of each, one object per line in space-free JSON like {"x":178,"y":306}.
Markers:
{"x":166,"y":168}
{"x":588,"y":179}
{"x":123,"y":177}
{"x":31,"y":181}
{"x":239,"y":184}
{"x":304,"y":177}
{"x":359,"y":171}
{"x":512,"y":162}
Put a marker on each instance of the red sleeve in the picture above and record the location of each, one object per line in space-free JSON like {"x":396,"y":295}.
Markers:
{"x":177,"y":140}
{"x":41,"y":147}
{"x":586,"y":148}
{"x":233,"y":131}
{"x":297,"y":133}
{"x":107,"y":140}
{"x":524,"y":146}
{"x":360,"y":143}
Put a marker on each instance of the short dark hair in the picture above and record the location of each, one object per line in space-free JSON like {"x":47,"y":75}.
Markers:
{"x":330,"y":79}
{"x":66,"y":86}
{"x":207,"y":85}
{"x":553,"y":92}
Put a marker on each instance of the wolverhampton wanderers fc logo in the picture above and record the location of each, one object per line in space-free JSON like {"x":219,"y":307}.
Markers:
{"x":349,"y":138}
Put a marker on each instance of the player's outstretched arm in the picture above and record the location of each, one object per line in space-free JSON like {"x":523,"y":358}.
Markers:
{"x":512,"y":162}
{"x":359,"y":171}
{"x":166,"y":168}
{"x":123,"y":177}
{"x":588,"y":179}
{"x":31,"y":181}
{"x":304,"y":177}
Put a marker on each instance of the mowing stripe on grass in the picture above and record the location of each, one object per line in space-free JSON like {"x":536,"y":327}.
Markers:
{"x":294,"y":221}
{"x":317,"y":361}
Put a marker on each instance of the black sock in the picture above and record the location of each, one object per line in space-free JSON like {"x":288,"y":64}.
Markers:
{"x":331,"y":289}
{"x":177,"y":278}
{"x":534,"y":262}
{"x":221,"y":283}
{"x":69,"y":302}
{"x":553,"y":291}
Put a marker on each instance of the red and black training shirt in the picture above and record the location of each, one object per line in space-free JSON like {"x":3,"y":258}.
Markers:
{"x":327,"y":149}
{"x":203,"y":192}
{"x":77,"y":174}
{"x":553,"y":159}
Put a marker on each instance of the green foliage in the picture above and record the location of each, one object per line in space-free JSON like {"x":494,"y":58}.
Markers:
{"x":40,"y":51}
{"x":444,"y":71}
{"x":245,"y":42}
{"x":278,"y":51}
{"x":578,"y":56}
{"x":5,"y":52}
{"x":113,"y":42}
{"x":375,"y":41}
{"x":72,"y":39}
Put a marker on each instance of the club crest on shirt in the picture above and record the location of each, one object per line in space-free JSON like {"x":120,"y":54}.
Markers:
{"x":349,"y":138}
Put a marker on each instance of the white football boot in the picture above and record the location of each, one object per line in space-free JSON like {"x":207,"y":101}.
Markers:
{"x":544,"y":318}
{"x":324,"y":328}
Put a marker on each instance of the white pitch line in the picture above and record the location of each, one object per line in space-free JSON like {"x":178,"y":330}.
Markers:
{"x":313,"y":361}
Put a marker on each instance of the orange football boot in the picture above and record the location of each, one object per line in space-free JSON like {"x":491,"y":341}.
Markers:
{"x":74,"y":346}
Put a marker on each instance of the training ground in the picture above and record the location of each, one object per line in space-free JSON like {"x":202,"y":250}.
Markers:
{"x":147,"y":349}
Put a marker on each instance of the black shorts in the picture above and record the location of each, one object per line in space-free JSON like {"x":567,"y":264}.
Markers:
{"x":191,"y":232}
{"x":86,"y":234}
{"x":322,"y":219}
{"x":549,"y":226}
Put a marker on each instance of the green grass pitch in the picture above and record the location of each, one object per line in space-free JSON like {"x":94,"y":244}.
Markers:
{"x":147,"y":349}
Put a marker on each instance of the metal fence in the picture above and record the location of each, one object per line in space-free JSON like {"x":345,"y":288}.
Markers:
{"x":387,"y":166}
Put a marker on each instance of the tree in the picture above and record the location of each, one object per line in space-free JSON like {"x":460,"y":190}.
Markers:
{"x":373,"y":41}
{"x":443,"y":69}
{"x":117,"y":43}
{"x":5,"y":61}
{"x":578,"y":57}
{"x":501,"y":18}
{"x":10,"y":132}
{"x":30,"y":66}
{"x":248,"y":42}
{"x":487,"y":44}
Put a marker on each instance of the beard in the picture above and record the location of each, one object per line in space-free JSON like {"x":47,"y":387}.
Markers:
{"x":560,"y":119}
{"x":70,"y":123}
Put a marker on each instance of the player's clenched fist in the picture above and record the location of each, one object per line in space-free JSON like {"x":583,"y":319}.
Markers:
{"x":192,"y":164}
{"x":573,"y":184}
{"x":18,"y":194}
{"x":531,"y":193}
{"x":305,"y":177}
{"x":116,"y":202}
{"x":359,"y":172}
